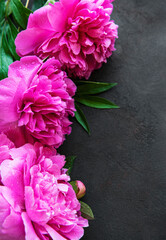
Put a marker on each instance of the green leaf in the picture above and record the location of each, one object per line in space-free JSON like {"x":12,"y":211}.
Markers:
{"x":74,"y":186}
{"x":86,"y":211}
{"x":94,"y":87}
{"x":2,"y":10}
{"x":95,"y":102}
{"x":69,"y":163}
{"x":80,"y":117}
{"x":8,"y":10}
{"x":38,"y":4}
{"x":11,"y":35}
{"x":5,"y":55}
{"x":20,"y":13}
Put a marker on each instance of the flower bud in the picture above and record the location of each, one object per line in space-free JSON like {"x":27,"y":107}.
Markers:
{"x":81,"y":189}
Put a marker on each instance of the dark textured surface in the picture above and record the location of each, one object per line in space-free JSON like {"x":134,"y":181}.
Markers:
{"x":123,"y":162}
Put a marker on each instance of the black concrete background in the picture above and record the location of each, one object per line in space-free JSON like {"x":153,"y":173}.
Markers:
{"x":123,"y":162}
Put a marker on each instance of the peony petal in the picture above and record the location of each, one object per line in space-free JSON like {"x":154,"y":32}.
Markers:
{"x":29,"y":230}
{"x":34,"y":37}
{"x":5,"y":145}
{"x":39,"y":19}
{"x":59,"y":24}
{"x":75,"y":234}
{"x":54,"y":234}
{"x":8,"y":105}
{"x":17,"y":135}
{"x":76,"y":48}
{"x":12,"y":198}
{"x":63,"y":187}
{"x":13,"y":226}
{"x":4,"y":209}
{"x":37,"y":215}
{"x":5,"y":141}
{"x":61,"y":11}
{"x":24,"y":71}
{"x":59,"y":160}
{"x":83,"y":222}
{"x":12,"y":177}
{"x":12,"y":88}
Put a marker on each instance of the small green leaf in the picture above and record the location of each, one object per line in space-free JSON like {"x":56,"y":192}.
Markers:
{"x":95,"y":102}
{"x":2,"y":10}
{"x":20,"y":13}
{"x":8,"y":9}
{"x":74,"y":186}
{"x":5,"y":55}
{"x":50,"y":1}
{"x":86,"y":211}
{"x":38,"y":4}
{"x":11,"y":35}
{"x":80,"y":117}
{"x":94,"y":87}
{"x":69,"y":163}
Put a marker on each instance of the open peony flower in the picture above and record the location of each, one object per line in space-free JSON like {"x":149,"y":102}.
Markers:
{"x":35,"y":102}
{"x":79,"y":33}
{"x":36,"y":200}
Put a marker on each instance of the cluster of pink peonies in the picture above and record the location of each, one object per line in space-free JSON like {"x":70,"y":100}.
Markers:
{"x":79,"y":33}
{"x":36,"y":200}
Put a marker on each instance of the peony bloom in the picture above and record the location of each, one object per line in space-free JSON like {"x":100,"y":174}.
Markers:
{"x":36,"y":200}
{"x":35,"y":102}
{"x":77,"y":32}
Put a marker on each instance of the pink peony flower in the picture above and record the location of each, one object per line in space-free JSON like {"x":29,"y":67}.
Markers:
{"x":35,"y":102}
{"x":77,"y":32}
{"x":36,"y":200}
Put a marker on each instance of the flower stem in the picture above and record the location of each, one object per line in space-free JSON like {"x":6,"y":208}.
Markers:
{"x":27,"y":2}
{"x":7,"y":5}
